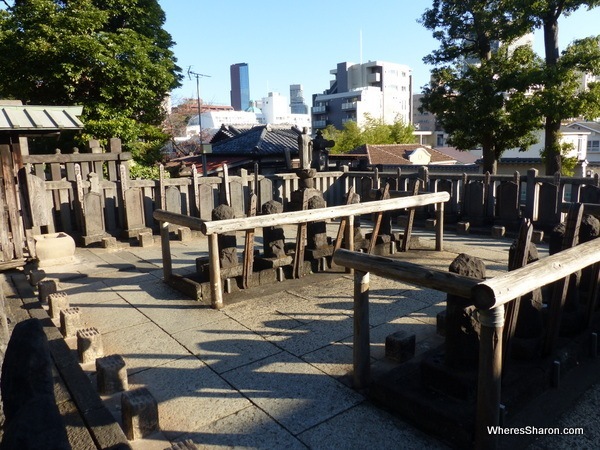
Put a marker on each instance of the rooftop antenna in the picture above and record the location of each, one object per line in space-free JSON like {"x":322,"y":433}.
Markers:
{"x":191,"y":74}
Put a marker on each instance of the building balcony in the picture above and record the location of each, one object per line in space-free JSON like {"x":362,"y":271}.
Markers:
{"x":319,"y":109}
{"x":319,"y":123}
{"x":374,"y":77}
{"x":348,"y":106}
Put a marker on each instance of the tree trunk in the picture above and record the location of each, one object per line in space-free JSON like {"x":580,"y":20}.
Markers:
{"x":552,"y":125}
{"x":490,"y":163}
{"x":553,"y":161}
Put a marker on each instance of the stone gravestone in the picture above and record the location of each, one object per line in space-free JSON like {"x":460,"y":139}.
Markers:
{"x":317,"y":243}
{"x":274,"y":253}
{"x":134,"y":212}
{"x":507,"y":204}
{"x":462,"y":326}
{"x":529,"y":330}
{"x":548,"y":214}
{"x":206,"y":201}
{"x":473,"y":203}
{"x":173,"y":203}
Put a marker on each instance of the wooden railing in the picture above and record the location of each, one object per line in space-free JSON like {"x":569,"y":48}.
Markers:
{"x":489,"y":296}
{"x":212,"y":229}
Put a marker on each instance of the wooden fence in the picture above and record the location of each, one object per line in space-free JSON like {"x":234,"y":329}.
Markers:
{"x":91,"y":195}
{"x":489,"y":296}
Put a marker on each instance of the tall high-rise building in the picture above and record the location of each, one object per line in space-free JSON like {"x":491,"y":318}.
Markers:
{"x":297,"y":105}
{"x":240,"y":86}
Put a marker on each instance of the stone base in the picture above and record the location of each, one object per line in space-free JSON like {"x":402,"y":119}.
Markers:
{"x":261,"y":262}
{"x":54,"y":249}
{"x":134,"y":232}
{"x":93,"y":238}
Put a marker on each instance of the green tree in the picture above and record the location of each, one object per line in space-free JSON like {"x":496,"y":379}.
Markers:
{"x":111,"y":56}
{"x":561,"y":97}
{"x":479,"y":91}
{"x":374,"y":131}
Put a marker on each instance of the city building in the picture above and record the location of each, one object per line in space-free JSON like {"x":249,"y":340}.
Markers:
{"x":383,"y":90}
{"x":297,"y":104}
{"x":275,"y":111}
{"x":240,"y":86}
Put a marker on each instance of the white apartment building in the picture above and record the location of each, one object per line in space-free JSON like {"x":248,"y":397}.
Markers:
{"x":382,"y":89}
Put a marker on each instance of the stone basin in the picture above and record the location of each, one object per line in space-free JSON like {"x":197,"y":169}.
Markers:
{"x":54,"y":248}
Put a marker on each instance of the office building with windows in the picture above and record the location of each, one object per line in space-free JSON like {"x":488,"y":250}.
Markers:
{"x":383,"y":90}
{"x":240,"y":86}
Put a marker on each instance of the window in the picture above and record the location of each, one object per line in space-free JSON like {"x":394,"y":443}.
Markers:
{"x":593,"y":146}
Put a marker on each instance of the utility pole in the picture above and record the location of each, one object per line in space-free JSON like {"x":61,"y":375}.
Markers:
{"x":198,"y":76}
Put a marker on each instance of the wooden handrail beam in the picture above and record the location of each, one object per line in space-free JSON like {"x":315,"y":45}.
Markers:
{"x":193,"y":223}
{"x":416,"y":274}
{"x":313,"y":215}
{"x":510,"y":285}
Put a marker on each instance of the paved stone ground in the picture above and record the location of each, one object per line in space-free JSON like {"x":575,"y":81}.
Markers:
{"x":269,"y":371}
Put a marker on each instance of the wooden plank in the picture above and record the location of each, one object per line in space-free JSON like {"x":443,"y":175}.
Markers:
{"x":76,"y":158}
{"x":416,"y":274}
{"x":361,"y":342}
{"x":216,"y":290}
{"x":593,"y":292}
{"x":384,"y":196}
{"x":312,"y":215}
{"x":249,"y":245}
{"x":519,"y":259}
{"x":405,"y":246}
{"x":561,"y":287}
{"x":5,"y":243}
{"x":504,"y":288}
{"x":300,"y":241}
{"x":343,"y":222}
{"x":11,"y":200}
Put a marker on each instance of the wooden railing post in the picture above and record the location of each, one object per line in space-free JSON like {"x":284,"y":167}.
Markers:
{"x":361,"y":340}
{"x":490,"y":376}
{"x":531,"y":195}
{"x":215,"y":271}
{"x":165,"y":246}
{"x":439,"y":226}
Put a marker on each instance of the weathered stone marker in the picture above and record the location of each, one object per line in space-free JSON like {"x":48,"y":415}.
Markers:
{"x":56,"y":302}
{"x":111,"y":374}
{"x":70,"y":321}
{"x":139,"y":412}
{"x":89,"y":345}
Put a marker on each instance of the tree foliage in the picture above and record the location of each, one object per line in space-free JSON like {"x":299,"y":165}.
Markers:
{"x":479,"y":91}
{"x":375,"y":131}
{"x":111,"y":56}
{"x":536,"y":91}
{"x":561,"y":97}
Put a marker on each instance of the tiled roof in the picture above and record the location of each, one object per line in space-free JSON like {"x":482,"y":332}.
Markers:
{"x":39,"y":118}
{"x":259,"y":141}
{"x":397,"y":154}
{"x":462,"y":156}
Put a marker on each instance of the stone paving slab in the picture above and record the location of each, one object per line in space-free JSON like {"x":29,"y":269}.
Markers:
{"x":142,"y":346}
{"x":366,"y":427}
{"x":295,"y":394}
{"x":248,"y":428}
{"x":198,"y":398}
{"x":225,"y":345}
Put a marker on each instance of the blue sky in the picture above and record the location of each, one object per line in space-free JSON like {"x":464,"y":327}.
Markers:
{"x":300,"y":42}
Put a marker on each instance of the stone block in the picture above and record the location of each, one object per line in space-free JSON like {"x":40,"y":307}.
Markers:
{"x":400,"y":346}
{"x":34,"y":276}
{"x":54,"y":249}
{"x":430,"y":224}
{"x":89,"y":345}
{"x":56,"y":302}
{"x":146,"y":239}
{"x":70,"y":321}
{"x":537,"y":236}
{"x":45,"y":288}
{"x":463,"y":227}
{"x":498,"y":231}
{"x":111,"y":374}
{"x":139,"y":411}
{"x":108,"y":242}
